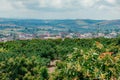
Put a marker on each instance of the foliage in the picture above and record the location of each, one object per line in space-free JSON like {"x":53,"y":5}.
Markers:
{"x":81,"y":65}
{"x":22,"y":68}
{"x":84,"y":59}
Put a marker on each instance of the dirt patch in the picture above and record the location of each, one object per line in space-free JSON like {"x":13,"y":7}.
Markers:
{"x":51,"y":67}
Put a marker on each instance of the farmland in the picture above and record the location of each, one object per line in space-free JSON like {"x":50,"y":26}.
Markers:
{"x":76,"y":59}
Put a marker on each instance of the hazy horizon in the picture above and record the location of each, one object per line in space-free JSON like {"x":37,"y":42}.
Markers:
{"x":60,"y":9}
{"x":53,"y":19}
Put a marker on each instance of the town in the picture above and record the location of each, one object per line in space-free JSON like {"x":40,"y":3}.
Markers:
{"x":47,"y":35}
{"x":22,"y":29}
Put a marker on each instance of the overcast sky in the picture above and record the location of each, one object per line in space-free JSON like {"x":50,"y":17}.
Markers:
{"x":60,"y":9}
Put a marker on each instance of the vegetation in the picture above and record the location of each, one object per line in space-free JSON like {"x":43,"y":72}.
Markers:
{"x":79,"y":59}
{"x":30,"y":26}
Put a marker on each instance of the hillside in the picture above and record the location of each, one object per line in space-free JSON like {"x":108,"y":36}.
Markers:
{"x":77,"y":25}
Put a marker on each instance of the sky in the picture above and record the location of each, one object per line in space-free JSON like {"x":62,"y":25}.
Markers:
{"x":60,"y":9}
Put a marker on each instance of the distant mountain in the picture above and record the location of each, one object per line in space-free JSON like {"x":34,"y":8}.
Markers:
{"x":76,"y":25}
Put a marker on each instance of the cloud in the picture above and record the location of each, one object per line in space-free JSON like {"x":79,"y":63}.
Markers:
{"x":53,"y":4}
{"x":101,"y":7}
{"x":56,"y":4}
{"x":111,"y":1}
{"x":89,"y":3}
{"x":5,"y":5}
{"x":60,"y":8}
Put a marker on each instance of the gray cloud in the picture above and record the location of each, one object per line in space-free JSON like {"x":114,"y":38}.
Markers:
{"x":54,"y":4}
{"x":109,"y":9}
{"x":61,"y":4}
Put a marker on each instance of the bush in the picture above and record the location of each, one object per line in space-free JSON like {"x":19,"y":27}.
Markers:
{"x":22,"y":68}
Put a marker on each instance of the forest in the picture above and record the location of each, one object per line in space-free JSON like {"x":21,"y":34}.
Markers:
{"x":76,"y":59}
